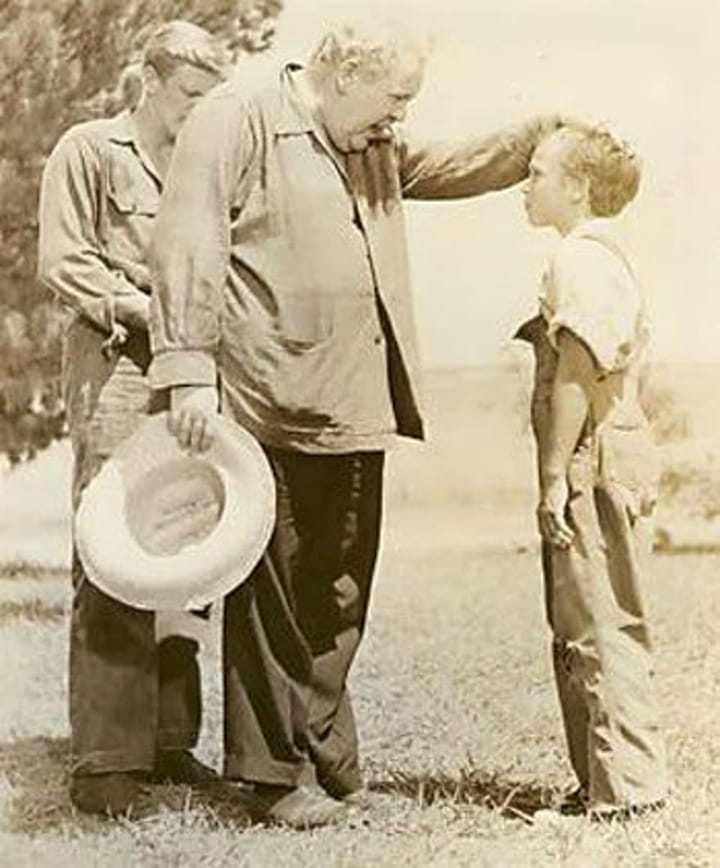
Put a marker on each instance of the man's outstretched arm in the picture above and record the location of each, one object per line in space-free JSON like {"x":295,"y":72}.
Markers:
{"x":474,"y":166}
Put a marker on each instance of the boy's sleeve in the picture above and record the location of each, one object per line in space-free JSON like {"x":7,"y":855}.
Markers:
{"x":596,"y":299}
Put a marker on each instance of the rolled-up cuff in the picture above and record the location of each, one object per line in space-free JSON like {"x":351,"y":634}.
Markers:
{"x":182,"y":368}
{"x":100,"y":311}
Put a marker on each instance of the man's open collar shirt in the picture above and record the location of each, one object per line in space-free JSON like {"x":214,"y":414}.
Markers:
{"x":284,"y":267}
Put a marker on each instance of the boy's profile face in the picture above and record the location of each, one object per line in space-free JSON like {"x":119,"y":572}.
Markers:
{"x":552,"y":197}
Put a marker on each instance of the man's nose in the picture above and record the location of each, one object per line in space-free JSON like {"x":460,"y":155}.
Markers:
{"x":398,"y":114}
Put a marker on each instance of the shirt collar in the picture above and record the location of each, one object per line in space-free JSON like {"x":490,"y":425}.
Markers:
{"x":294,"y":116}
{"x":123,"y":130}
{"x":593,"y":226}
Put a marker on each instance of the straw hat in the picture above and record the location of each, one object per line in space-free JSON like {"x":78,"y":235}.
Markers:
{"x":159,"y":528}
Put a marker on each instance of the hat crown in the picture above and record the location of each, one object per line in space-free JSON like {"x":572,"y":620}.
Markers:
{"x":174,"y":505}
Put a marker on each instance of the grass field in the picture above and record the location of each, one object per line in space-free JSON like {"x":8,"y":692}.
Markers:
{"x":458,"y":721}
{"x":454,"y":696}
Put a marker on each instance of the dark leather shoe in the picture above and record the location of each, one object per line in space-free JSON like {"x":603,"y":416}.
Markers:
{"x":113,"y":793}
{"x":181,"y":767}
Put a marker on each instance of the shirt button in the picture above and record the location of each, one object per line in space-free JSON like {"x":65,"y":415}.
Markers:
{"x":378,"y":340}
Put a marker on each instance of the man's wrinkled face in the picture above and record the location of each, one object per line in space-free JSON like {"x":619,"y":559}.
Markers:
{"x":550,"y":193}
{"x":363,"y":107}
{"x":175,"y":95}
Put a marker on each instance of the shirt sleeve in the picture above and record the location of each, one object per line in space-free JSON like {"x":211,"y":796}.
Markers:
{"x":190,"y":248}
{"x":595,"y":297}
{"x":70,"y":258}
{"x":475,"y":166}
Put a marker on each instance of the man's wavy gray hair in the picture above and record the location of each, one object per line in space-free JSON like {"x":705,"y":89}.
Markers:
{"x":374,"y":46}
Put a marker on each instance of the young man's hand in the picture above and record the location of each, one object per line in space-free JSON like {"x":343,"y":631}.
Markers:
{"x":192,"y":411}
{"x":551,"y":514}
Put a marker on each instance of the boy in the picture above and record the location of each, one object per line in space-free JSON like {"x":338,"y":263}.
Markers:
{"x":597,"y":472}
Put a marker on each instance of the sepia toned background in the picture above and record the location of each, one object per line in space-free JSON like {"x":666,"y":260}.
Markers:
{"x":455,"y":698}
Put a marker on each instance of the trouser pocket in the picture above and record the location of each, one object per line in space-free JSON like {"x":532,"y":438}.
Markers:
{"x":628,"y":459}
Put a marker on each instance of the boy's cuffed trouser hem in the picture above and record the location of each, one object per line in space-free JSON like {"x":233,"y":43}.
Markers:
{"x":243,"y":768}
{"x":104,"y":762}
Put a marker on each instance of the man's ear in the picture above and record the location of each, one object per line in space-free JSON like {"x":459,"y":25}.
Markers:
{"x":346,"y":75}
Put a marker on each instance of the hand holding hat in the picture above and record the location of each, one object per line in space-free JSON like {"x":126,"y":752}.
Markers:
{"x":162,"y":528}
{"x":191,"y":416}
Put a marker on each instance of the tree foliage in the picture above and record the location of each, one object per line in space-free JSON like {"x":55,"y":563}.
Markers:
{"x":60,"y":63}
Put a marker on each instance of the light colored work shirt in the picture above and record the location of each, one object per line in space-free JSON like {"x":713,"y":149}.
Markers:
{"x":589,"y":289}
{"x":98,"y":199}
{"x":284,"y":266}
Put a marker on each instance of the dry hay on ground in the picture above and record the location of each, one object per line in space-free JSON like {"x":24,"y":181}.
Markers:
{"x":458,"y":721}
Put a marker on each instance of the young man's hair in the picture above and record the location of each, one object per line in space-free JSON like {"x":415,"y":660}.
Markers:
{"x":180,"y":42}
{"x":610,"y":165}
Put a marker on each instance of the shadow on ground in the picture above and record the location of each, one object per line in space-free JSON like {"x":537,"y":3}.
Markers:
{"x":516,"y":799}
{"x":34,"y":798}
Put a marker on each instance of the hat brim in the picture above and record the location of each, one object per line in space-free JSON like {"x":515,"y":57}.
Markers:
{"x":201,"y":572}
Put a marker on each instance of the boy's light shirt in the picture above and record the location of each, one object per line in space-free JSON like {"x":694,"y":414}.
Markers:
{"x":589,"y":289}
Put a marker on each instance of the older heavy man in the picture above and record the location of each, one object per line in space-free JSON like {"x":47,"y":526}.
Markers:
{"x":133,"y":707}
{"x":280,"y":263}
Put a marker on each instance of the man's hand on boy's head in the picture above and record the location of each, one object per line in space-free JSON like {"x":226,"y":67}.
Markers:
{"x":529,"y":134}
{"x":541,"y":126}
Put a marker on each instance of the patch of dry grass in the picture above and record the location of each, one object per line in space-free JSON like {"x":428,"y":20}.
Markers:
{"x":459,"y":725}
{"x":25,"y":571}
{"x":31,"y":610}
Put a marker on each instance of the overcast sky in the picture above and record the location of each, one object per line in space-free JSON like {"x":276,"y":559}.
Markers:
{"x":648,"y":69}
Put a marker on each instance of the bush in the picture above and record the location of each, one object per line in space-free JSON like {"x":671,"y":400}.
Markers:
{"x":62,"y":62}
{"x":668,"y":419}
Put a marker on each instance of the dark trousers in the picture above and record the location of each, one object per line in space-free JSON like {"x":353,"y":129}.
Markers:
{"x":602,"y":654}
{"x":292,"y":629}
{"x":128,"y":696}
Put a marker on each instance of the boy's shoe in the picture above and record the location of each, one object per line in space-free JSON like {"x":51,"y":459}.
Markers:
{"x":574,"y":803}
{"x":624,"y":814}
{"x":113,"y":793}
{"x":180,"y":766}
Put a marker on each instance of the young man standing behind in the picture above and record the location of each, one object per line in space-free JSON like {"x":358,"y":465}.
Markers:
{"x":134,"y":705}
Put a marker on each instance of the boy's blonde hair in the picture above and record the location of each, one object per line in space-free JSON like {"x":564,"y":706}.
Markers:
{"x":610,"y":165}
